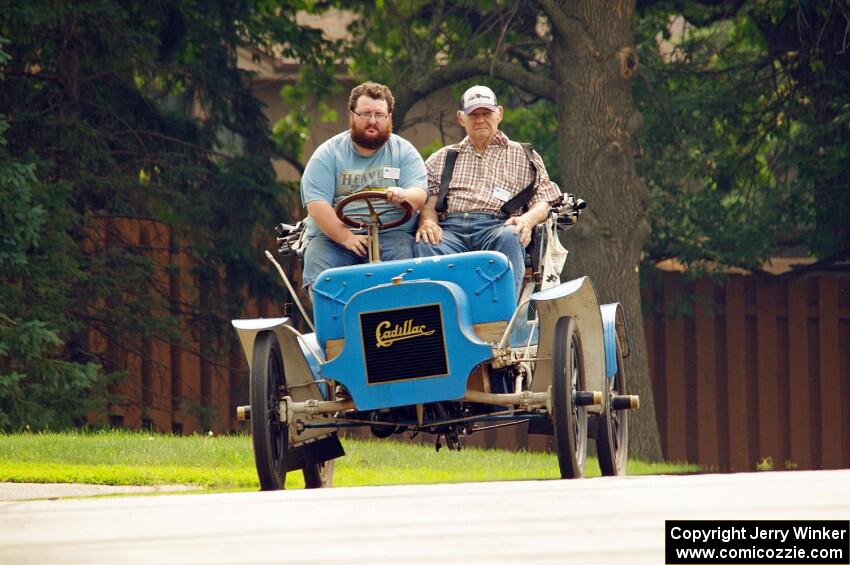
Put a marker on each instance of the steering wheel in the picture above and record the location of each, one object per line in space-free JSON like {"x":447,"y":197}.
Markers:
{"x":370,"y":197}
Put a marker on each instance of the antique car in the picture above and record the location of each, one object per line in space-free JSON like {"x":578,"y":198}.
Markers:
{"x":440,"y":346}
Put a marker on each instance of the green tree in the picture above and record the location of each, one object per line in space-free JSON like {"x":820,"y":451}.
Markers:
{"x":37,"y":387}
{"x":569,"y":62}
{"x":747,"y":113}
{"x":115,"y":110}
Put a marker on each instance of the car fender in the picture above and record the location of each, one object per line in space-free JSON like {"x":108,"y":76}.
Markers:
{"x":577,"y":299}
{"x":299,"y":353}
{"x":614,"y":328}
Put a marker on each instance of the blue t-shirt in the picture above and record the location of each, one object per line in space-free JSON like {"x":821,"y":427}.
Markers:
{"x":336,"y":170}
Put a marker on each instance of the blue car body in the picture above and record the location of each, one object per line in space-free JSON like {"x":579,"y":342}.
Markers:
{"x":413,"y":340}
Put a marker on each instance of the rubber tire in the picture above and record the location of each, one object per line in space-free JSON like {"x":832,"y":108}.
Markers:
{"x":319,"y":475}
{"x":569,"y":422}
{"x":612,"y":433}
{"x":269,"y":437}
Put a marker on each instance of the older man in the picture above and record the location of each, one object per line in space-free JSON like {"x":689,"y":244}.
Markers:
{"x":488,"y":190}
{"x":368,"y":155}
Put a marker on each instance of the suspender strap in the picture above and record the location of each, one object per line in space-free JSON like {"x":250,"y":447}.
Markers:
{"x":445,"y":179}
{"x":521,"y":200}
{"x":510,"y":207}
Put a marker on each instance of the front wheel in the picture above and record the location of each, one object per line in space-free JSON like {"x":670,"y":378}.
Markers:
{"x":269,"y":436}
{"x":569,"y":420}
{"x":612,"y":433}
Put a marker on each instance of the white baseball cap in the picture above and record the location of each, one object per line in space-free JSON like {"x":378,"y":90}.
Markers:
{"x":478,"y":97}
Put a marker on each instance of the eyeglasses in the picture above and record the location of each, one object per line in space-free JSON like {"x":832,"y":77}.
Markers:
{"x":378,"y":116}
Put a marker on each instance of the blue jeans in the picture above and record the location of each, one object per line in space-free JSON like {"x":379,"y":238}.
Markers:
{"x":473,"y":231}
{"x":323,"y":253}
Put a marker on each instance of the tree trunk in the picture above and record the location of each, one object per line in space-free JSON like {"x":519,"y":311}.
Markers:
{"x":593,"y":74}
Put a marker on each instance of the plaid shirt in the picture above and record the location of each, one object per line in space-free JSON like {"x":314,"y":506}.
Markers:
{"x":476,"y":177}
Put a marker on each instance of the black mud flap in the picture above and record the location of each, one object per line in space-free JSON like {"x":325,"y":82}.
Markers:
{"x":544,"y":426}
{"x":540,"y":426}
{"x":314,"y":452}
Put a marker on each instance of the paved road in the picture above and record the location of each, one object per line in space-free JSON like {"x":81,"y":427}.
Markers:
{"x":590,"y":521}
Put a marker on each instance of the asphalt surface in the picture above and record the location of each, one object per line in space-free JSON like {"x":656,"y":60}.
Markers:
{"x":587,"y":521}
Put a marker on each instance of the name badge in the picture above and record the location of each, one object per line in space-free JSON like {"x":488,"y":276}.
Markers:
{"x":501,"y":194}
{"x":392,"y":173}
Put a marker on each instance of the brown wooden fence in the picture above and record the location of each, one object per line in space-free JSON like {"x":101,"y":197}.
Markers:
{"x":185,"y":385}
{"x":754,"y":370}
{"x":749,"y":370}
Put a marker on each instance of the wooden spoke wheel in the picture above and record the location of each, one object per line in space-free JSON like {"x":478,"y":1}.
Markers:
{"x":612,"y":432}
{"x":269,"y":436}
{"x":569,"y":421}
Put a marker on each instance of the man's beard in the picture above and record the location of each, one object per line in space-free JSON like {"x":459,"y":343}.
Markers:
{"x":368,"y":140}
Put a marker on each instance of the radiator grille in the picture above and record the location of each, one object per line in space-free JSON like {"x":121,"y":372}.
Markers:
{"x":403,"y":344}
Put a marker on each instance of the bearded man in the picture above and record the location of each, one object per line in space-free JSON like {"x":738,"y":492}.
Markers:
{"x":367,"y":155}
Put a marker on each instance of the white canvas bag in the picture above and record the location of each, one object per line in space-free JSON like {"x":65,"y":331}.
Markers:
{"x":554,"y":256}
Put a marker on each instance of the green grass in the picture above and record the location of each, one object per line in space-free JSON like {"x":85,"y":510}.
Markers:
{"x":227,"y":462}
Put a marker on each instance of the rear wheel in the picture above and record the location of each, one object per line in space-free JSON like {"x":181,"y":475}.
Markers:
{"x":269,"y":436}
{"x":569,"y":421}
{"x":319,"y":475}
{"x":612,"y":433}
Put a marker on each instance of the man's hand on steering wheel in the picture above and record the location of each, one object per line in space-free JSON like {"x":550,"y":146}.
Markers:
{"x":357,"y":244}
{"x":397,"y":195}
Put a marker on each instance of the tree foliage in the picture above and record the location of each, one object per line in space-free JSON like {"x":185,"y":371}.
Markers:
{"x":420,"y":47}
{"x":747,"y":110}
{"x":115,"y":110}
{"x":34,"y":378}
